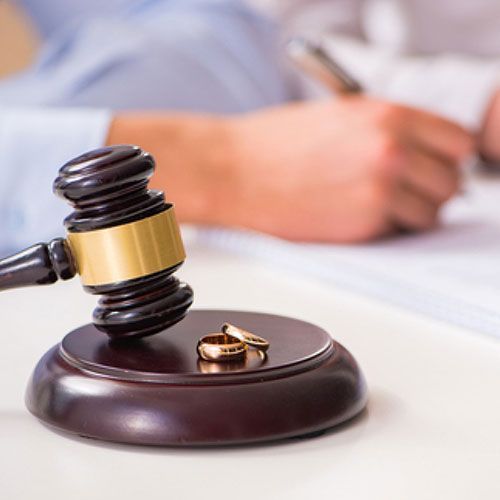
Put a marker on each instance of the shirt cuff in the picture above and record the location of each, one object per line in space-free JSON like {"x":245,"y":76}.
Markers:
{"x":34,"y":144}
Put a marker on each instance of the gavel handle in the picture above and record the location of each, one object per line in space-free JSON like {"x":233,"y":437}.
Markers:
{"x":41,"y":264}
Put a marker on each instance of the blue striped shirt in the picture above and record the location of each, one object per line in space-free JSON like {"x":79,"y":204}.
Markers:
{"x":193,"y":55}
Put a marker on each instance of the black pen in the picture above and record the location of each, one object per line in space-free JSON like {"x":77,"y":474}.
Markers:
{"x":313,"y":59}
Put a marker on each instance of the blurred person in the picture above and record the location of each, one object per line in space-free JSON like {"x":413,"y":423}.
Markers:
{"x":442,"y":56}
{"x":214,"y":107}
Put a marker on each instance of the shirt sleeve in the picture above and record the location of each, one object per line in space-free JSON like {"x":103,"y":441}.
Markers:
{"x":34,"y":143}
{"x":193,"y":55}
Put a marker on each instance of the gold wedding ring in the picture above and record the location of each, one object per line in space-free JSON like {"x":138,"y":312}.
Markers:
{"x":230,"y":345}
{"x":220,"y":347}
{"x":246,"y":337}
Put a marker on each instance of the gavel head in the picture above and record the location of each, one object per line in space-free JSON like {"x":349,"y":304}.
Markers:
{"x":124,"y":241}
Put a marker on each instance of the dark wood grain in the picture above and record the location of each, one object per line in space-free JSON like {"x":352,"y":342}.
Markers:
{"x":109,"y":187}
{"x":155,"y":391}
{"x":141,"y":307}
{"x":41,"y":264}
{"x":106,"y":188}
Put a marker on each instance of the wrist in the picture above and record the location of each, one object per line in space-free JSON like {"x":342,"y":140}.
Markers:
{"x":193,"y":161}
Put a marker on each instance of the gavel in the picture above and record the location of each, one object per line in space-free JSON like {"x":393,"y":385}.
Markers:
{"x":122,"y":239}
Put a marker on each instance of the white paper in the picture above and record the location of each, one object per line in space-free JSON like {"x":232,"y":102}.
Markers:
{"x":452,"y":273}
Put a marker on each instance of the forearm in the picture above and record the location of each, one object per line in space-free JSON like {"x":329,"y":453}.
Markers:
{"x":193,"y":155}
{"x":261,"y":171}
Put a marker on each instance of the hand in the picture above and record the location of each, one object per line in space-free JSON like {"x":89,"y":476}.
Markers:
{"x":348,"y":170}
{"x":489,"y":141}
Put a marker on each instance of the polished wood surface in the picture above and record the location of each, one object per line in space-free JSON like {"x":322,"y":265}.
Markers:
{"x":108,"y":187}
{"x":156,"y":391}
{"x":41,"y":264}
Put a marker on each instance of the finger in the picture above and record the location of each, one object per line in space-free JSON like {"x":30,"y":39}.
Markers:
{"x":440,"y":136}
{"x":430,"y":175}
{"x":411,"y":210}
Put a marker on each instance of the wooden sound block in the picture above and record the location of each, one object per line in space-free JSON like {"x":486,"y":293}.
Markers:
{"x":156,"y":391}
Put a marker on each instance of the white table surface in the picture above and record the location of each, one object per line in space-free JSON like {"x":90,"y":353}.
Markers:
{"x":432,"y":430}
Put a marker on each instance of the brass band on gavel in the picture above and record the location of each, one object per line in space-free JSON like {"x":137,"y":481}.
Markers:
{"x":128,"y":251}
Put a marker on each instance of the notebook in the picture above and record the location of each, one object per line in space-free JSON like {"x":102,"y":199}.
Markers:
{"x":452,"y":273}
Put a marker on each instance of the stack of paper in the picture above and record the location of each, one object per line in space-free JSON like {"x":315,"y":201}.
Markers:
{"x":452,"y":273}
